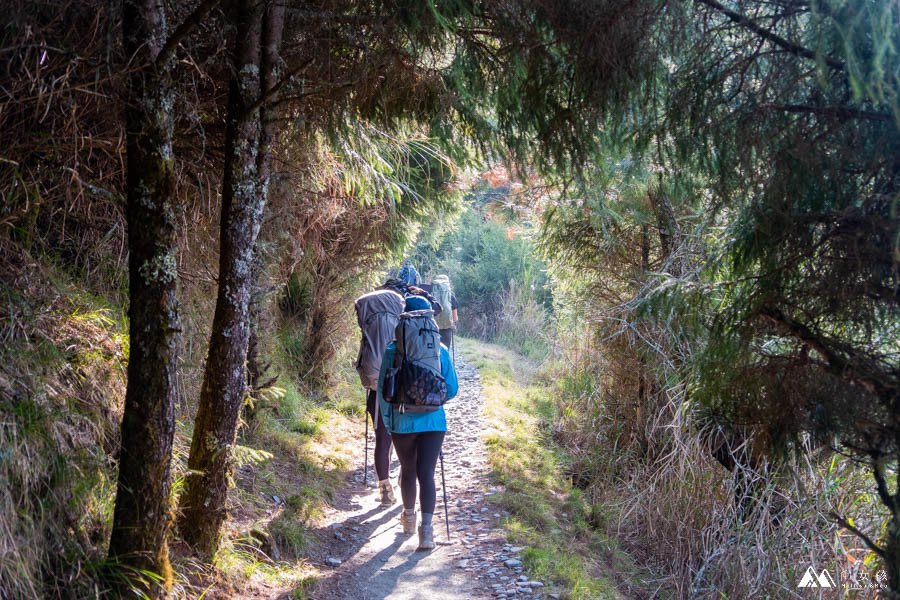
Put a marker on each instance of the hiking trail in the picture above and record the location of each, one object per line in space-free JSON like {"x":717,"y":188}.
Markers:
{"x":363,"y":555}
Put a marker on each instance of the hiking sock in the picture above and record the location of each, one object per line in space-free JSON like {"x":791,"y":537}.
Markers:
{"x":426,"y":533}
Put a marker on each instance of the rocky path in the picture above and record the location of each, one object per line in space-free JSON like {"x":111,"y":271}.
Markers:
{"x":364,"y":555}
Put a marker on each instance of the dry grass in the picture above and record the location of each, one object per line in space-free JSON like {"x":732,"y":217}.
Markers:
{"x":707,"y":532}
{"x":547,"y":514}
{"x":62,"y":384}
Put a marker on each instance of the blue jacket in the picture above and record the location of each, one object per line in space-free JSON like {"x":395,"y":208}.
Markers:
{"x":407,"y":422}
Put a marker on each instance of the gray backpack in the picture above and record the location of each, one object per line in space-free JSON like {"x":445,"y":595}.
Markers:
{"x":377,"y":313}
{"x":443,"y":294}
{"x":415,"y":382}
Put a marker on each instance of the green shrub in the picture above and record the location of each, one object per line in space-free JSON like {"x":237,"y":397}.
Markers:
{"x":501,"y":285}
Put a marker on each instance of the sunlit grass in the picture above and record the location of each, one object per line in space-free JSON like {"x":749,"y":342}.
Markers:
{"x":64,"y":384}
{"x":548,"y":516}
{"x":242,"y":557}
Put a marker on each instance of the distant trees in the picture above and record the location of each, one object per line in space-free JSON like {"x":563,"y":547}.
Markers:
{"x":500,"y":284}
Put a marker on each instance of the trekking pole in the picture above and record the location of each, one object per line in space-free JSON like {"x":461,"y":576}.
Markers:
{"x":366,"y":459}
{"x":444,"y":489}
{"x":453,"y":345}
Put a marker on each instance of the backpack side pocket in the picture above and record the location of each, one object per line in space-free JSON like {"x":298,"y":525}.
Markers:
{"x":391,"y":384}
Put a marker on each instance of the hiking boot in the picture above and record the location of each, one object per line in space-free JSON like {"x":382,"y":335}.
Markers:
{"x":387,"y":493}
{"x":408,"y":520}
{"x":426,"y":537}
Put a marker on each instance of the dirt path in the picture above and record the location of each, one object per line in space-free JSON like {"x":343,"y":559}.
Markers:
{"x":365,"y":556}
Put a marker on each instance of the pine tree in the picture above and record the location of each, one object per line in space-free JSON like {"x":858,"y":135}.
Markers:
{"x":142,"y":510}
{"x":248,"y":140}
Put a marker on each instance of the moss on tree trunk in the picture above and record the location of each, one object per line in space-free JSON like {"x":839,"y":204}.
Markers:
{"x":243,"y":200}
{"x":142,"y":512}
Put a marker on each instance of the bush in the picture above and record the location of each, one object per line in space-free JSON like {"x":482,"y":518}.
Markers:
{"x":653,"y":484}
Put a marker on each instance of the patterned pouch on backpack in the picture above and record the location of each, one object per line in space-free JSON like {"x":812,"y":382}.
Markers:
{"x":422,"y":386}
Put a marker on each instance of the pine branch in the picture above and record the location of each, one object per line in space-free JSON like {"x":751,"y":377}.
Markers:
{"x":838,"y":112}
{"x":836,"y":363}
{"x":339,"y":17}
{"x":271,"y":95}
{"x":183,"y":30}
{"x":865,"y":539}
{"x":795,"y":49}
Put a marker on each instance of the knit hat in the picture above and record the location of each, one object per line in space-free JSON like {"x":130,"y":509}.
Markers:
{"x":417,"y":303}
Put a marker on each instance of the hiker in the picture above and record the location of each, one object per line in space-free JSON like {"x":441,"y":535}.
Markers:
{"x":417,"y":436}
{"x":446,"y":320}
{"x":377,"y":313}
{"x":408,"y":273}
{"x":406,"y":290}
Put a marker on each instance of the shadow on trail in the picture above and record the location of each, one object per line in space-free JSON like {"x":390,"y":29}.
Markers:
{"x":370,"y":578}
{"x":366,"y":521}
{"x":377,"y":561}
{"x":386,"y":579}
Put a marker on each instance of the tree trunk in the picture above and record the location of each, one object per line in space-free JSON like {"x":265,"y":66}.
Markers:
{"x":666,"y":222}
{"x":317,"y":335}
{"x":272,"y":28}
{"x":273,"y":24}
{"x":142,"y":511}
{"x":243,"y":200}
{"x":256,"y":368}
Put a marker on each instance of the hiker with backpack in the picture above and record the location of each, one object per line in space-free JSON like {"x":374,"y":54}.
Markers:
{"x":377,"y":314}
{"x":406,"y":290}
{"x":417,"y":376}
{"x":408,"y":273}
{"x":447,"y":319}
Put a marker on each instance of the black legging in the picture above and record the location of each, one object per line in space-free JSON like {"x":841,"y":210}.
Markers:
{"x":382,"y":440}
{"x":447,"y":337}
{"x":418,"y":454}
